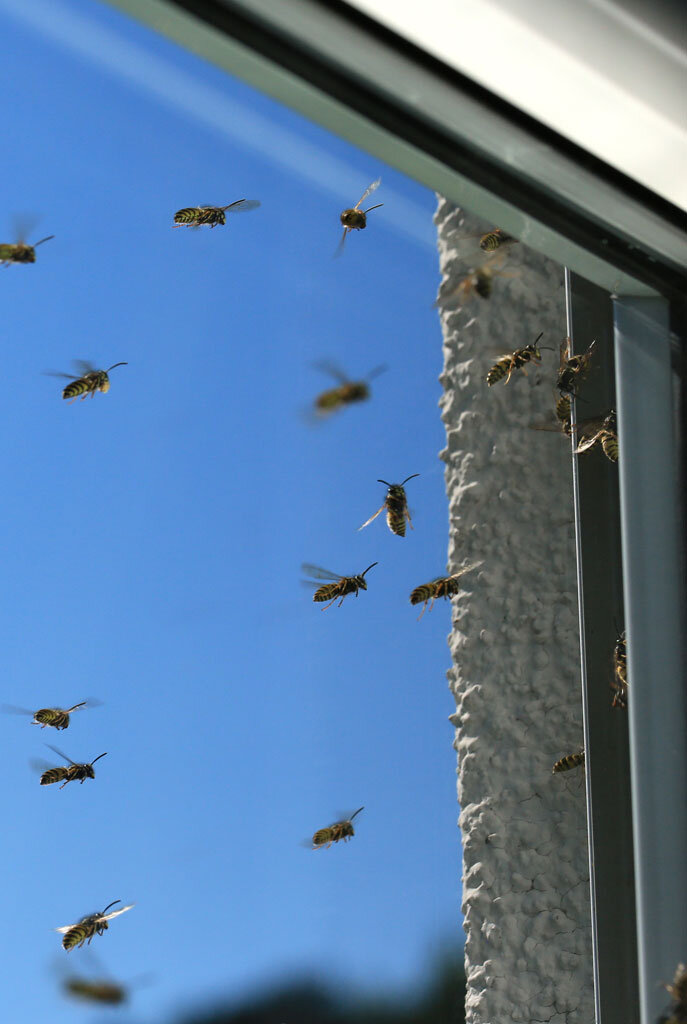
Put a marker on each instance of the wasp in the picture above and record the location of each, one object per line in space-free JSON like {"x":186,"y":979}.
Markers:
{"x":495,"y":239}
{"x":96,"y":990}
{"x":347,"y":392}
{"x":606,"y":435}
{"x":90,"y":380}
{"x":442,"y":586}
{"x":58,"y":718}
{"x":93,"y":924}
{"x":344,"y":584}
{"x":197,"y":216}
{"x":678,"y":993}
{"x":514,"y":361}
{"x":572,"y":368}
{"x":72,"y":772}
{"x":619,"y":684}
{"x":396,"y":508}
{"x":569,"y":762}
{"x":20,"y":252}
{"x":355,"y":219}
{"x":480,"y":281}
{"x":334,"y":833}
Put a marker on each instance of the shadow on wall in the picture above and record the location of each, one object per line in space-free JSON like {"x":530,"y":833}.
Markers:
{"x":442,"y":1002}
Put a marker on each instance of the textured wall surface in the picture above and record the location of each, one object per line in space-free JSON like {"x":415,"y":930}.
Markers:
{"x":514,"y":645}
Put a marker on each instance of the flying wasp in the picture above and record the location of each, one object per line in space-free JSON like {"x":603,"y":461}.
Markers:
{"x":20,"y":252}
{"x":197,"y":216}
{"x":347,"y":392}
{"x":334,"y":833}
{"x":93,"y":990}
{"x":606,"y":435}
{"x":396,"y":507}
{"x":58,"y":718}
{"x":344,"y":584}
{"x":355,"y":219}
{"x":514,"y":361}
{"x":72,"y":772}
{"x":90,"y":380}
{"x":480,"y":282}
{"x":619,"y":684}
{"x":442,"y":586}
{"x":93,"y":924}
{"x":569,"y":762}
{"x":572,"y":368}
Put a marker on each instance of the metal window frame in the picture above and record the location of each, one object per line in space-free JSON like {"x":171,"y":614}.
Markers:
{"x":339,"y":68}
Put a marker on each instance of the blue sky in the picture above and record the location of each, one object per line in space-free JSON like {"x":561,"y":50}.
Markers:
{"x":153,"y":536}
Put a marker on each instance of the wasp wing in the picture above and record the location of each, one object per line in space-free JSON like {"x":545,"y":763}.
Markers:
{"x":368,"y":191}
{"x":66,"y":376}
{"x":11,"y":709}
{"x":468,"y":568}
{"x":60,"y":753}
{"x":115,"y":913}
{"x":84,"y":366}
{"x":325,"y":366}
{"x":340,"y":247}
{"x":242,"y":206}
{"x":564,"y":351}
{"x":66,"y":928}
{"x":372,"y":518}
{"x":318,"y":573}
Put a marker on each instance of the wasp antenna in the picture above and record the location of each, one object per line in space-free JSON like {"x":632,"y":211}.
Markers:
{"x":114,"y":365}
{"x":360,"y":808}
{"x":76,"y":706}
{"x":92,"y":763}
{"x":383,"y":482}
{"x":46,"y":239}
{"x":373,"y":207}
{"x":541,"y":335}
{"x":409,"y":478}
{"x":110,"y":905}
{"x":369,"y":567}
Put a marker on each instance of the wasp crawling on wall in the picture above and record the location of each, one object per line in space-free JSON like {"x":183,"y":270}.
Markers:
{"x":496,"y":239}
{"x":396,"y":507}
{"x":346,"y":393}
{"x":568,"y":762}
{"x":514,"y":361}
{"x":619,"y":684}
{"x":87,"y":382}
{"x":442,"y":586}
{"x":212,"y":216}
{"x":324,"y":837}
{"x":93,"y":924}
{"x":572,"y":368}
{"x":72,"y":772}
{"x":20,"y":252}
{"x":58,"y":718}
{"x":355,"y":219}
{"x":606,"y":435}
{"x":342,"y":586}
{"x":677,"y":1014}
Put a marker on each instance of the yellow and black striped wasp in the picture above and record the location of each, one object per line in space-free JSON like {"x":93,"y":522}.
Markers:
{"x":355,"y":219}
{"x":72,"y":772}
{"x":496,"y":239}
{"x":58,"y":718}
{"x":87,"y":382}
{"x":396,"y":507}
{"x":93,"y":924}
{"x":442,"y":586}
{"x":96,"y":990}
{"x":619,"y":684}
{"x":568,"y":762}
{"x":324,"y":837}
{"x":212,"y":216}
{"x":346,"y":393}
{"x":478,"y":282}
{"x":514,"y":361}
{"x":572,"y":368}
{"x":606,"y":435}
{"x":342,"y":586}
{"x":19,"y":252}
{"x":677,"y":1013}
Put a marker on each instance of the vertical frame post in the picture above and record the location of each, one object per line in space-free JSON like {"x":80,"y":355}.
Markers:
{"x":654,"y":570}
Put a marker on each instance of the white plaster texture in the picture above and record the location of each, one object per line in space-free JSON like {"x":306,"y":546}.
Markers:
{"x":514,"y":644}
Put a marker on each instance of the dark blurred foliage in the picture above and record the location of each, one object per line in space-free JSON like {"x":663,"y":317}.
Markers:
{"x":314,"y":1002}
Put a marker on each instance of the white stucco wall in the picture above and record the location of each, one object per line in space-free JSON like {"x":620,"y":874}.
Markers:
{"x":514,"y":645}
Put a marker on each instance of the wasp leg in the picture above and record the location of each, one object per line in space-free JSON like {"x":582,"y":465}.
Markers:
{"x":424,"y":609}
{"x":330,"y":603}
